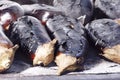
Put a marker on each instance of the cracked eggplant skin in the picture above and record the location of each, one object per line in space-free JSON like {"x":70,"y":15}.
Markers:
{"x":75,"y":8}
{"x":72,"y":43}
{"x":33,"y":39}
{"x":105,"y":33}
{"x":9,"y":12}
{"x":110,"y":8}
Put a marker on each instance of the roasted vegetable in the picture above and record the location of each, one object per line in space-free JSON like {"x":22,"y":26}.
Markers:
{"x":9,"y":12}
{"x":110,"y":8}
{"x":75,"y":8}
{"x":40,"y":11}
{"x":7,"y":51}
{"x":72,"y":43}
{"x":105,"y":33}
{"x":48,"y":2}
{"x":33,"y":40}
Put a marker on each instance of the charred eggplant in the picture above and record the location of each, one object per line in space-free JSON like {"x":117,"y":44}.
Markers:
{"x":33,"y":40}
{"x":48,"y":2}
{"x":105,"y":33}
{"x":75,"y":8}
{"x":110,"y":8}
{"x":72,"y":43}
{"x":40,"y":11}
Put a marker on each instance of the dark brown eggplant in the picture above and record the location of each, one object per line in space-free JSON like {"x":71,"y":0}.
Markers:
{"x":72,"y":43}
{"x":7,"y":51}
{"x":105,"y":33}
{"x":9,"y":12}
{"x":76,"y":8}
{"x":33,"y":40}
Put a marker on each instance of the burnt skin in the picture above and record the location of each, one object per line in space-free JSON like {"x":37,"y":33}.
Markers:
{"x":41,"y":11}
{"x":7,"y":51}
{"x":72,"y":43}
{"x":75,"y":8}
{"x":110,"y":8}
{"x":48,"y":2}
{"x":33,"y":39}
{"x":105,"y":34}
{"x":9,"y":12}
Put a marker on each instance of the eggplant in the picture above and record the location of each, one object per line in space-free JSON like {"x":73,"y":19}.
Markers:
{"x":7,"y":51}
{"x":75,"y":8}
{"x":72,"y":43}
{"x":109,"y":8}
{"x":105,"y":34}
{"x":48,"y":2}
{"x":40,"y":11}
{"x":33,"y":39}
{"x":9,"y":12}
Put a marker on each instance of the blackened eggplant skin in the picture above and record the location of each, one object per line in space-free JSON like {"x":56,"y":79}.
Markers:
{"x":33,"y":39}
{"x":75,"y":8}
{"x":41,"y":11}
{"x":7,"y":51}
{"x":9,"y":12}
{"x":48,"y":2}
{"x":72,"y":43}
{"x":110,"y":8}
{"x":105,"y":34}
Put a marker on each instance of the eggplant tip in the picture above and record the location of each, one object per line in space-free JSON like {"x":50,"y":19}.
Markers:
{"x":112,"y":53}
{"x":66,"y":63}
{"x":6,"y":57}
{"x":4,"y":65}
{"x":44,"y":53}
